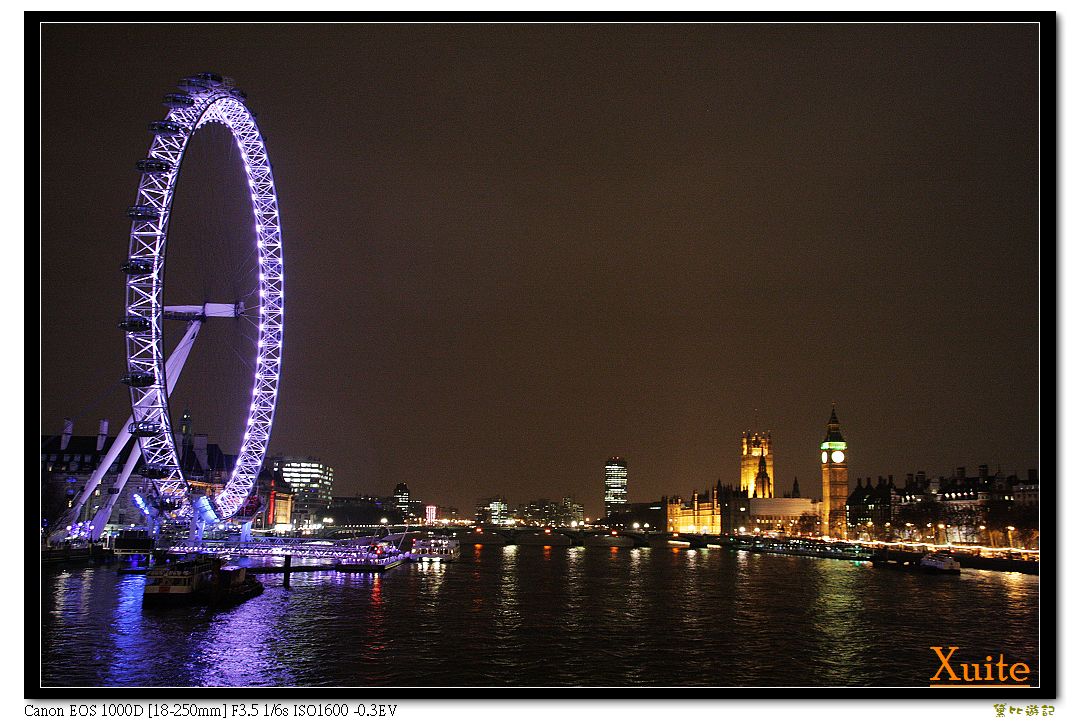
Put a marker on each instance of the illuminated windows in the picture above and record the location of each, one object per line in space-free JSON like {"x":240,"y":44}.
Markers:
{"x":615,"y":477}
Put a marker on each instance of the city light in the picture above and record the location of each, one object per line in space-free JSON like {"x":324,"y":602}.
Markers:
{"x":494,"y":356}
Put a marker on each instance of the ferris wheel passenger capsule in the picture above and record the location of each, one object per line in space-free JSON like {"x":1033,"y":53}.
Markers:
{"x":144,"y":429}
{"x":153,"y":165}
{"x":138,"y":379}
{"x":212,"y":78}
{"x":134,"y":324}
{"x":178,"y":100}
{"x":138,"y":266}
{"x":166,"y":127}
{"x":194,"y":85}
{"x":143,"y":212}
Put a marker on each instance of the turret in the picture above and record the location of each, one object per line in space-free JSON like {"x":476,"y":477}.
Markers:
{"x":761,"y":481}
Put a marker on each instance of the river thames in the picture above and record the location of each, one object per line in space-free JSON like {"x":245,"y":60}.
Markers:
{"x":535,"y":616}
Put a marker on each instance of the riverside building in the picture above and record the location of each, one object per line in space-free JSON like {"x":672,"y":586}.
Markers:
{"x":615,"y":480}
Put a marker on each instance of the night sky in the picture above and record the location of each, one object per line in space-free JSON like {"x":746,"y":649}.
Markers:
{"x":514,"y":251}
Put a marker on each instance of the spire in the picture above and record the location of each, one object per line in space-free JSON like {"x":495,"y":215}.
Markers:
{"x":795,"y":489}
{"x":834,"y":435}
{"x":761,"y":480}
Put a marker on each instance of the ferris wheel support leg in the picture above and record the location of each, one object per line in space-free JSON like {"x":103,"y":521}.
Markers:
{"x":60,"y":531}
{"x":197,"y":526}
{"x":173,"y":366}
{"x":102,"y":516}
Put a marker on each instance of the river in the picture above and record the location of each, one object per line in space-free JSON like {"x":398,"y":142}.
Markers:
{"x":535,"y":616}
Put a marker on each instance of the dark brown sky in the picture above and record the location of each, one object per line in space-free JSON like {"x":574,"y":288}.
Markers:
{"x":512,"y":251}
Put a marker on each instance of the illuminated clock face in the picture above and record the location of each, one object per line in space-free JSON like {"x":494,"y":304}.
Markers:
{"x":837,"y":456}
{"x":824,"y":456}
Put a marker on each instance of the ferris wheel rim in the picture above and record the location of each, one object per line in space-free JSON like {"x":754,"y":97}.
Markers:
{"x":210,"y":99}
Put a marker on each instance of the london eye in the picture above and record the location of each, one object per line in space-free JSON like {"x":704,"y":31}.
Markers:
{"x":151,"y":374}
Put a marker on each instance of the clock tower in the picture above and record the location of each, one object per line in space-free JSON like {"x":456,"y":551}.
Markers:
{"x":834,"y":481}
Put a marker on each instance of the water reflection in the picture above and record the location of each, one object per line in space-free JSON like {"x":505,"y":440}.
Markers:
{"x":544,"y":616}
{"x":239,"y":646}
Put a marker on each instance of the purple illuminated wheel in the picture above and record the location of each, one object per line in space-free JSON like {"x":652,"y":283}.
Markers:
{"x":205,"y":98}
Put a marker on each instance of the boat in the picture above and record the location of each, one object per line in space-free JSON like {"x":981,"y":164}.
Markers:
{"x":813,"y":547}
{"x":234,"y":586}
{"x":939,"y":563}
{"x":199,"y":580}
{"x":372,"y":559}
{"x":444,"y":550}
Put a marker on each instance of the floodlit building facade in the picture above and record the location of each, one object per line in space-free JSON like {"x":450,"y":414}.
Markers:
{"x":755,"y":448}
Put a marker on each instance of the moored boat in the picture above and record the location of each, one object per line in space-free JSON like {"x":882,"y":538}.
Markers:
{"x":939,"y":563}
{"x":372,"y":559}
{"x":444,"y":550}
{"x":198,"y":580}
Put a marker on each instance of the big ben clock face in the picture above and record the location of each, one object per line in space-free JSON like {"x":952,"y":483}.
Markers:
{"x":837,"y":456}
{"x":824,"y":456}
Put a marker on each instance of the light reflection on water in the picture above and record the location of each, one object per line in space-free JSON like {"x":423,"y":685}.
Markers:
{"x":535,"y":615}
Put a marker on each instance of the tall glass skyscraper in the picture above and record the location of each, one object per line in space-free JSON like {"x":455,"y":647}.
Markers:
{"x":614,"y":485}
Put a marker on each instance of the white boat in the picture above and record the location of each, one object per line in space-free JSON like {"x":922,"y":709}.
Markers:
{"x":372,"y":559}
{"x":442,"y":550}
{"x":939,"y":563}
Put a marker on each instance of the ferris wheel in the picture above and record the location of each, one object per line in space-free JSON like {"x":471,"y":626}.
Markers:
{"x":151,"y":376}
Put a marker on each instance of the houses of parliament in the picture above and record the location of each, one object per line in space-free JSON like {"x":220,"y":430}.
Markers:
{"x":752,"y":506}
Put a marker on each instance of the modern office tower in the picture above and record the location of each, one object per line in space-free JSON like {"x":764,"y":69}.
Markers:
{"x":312,"y":484}
{"x":495,"y":511}
{"x":614,"y":485}
{"x":401,"y":498}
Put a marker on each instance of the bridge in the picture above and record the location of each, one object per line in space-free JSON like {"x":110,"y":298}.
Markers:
{"x":281,"y":547}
